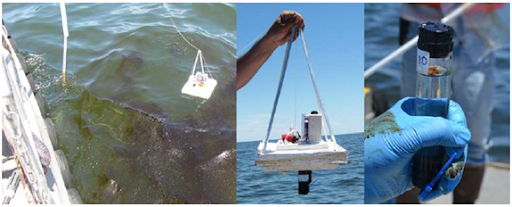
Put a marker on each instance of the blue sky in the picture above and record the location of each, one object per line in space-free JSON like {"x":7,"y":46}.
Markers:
{"x":335,"y":38}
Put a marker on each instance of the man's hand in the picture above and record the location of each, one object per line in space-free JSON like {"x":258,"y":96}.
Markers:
{"x":279,"y":32}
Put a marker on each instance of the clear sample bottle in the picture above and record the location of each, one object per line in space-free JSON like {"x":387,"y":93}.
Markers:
{"x":433,"y":82}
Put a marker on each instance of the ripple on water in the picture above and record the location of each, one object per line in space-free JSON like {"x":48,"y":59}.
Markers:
{"x":127,"y":132}
{"x":345,"y":185}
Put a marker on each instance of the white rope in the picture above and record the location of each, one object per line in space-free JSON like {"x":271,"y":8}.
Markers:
{"x":295,"y":71}
{"x":176,"y":26}
{"x":281,"y":78}
{"x":201,"y":61}
{"x":318,"y":99}
{"x":195,"y":62}
{"x":410,"y":44}
{"x":206,"y":64}
{"x":327,"y":126}
{"x":250,"y":43}
{"x":200,"y":53}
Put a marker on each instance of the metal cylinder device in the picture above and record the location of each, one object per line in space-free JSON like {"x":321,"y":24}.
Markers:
{"x":434,"y":58}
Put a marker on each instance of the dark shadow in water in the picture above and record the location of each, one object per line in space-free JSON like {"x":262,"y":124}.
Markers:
{"x":154,"y":158}
{"x":184,"y":162}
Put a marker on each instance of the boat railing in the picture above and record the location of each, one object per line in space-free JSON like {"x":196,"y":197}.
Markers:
{"x":17,"y":120}
{"x":411,"y":43}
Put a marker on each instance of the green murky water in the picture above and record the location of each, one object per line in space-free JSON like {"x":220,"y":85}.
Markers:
{"x":128,"y":133}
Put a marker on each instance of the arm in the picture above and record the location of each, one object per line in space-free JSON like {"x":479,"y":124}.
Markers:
{"x":277,"y":35}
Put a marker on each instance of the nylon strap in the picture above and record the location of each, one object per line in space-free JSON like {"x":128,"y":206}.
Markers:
{"x":281,"y":79}
{"x":327,"y":127}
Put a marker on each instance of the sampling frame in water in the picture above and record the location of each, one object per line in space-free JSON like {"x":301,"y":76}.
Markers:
{"x":199,"y":84}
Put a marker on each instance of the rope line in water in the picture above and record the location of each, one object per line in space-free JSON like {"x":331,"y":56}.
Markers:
{"x":176,"y":26}
{"x":311,"y":185}
{"x":189,"y":43}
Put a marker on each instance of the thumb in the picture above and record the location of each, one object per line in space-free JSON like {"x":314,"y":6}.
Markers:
{"x":437,"y":131}
{"x":456,"y":114}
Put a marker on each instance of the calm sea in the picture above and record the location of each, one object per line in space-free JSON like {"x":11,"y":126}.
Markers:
{"x":345,"y":185}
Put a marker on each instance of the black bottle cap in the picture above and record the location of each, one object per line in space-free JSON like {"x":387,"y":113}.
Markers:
{"x":314,"y":112}
{"x":435,"y":38}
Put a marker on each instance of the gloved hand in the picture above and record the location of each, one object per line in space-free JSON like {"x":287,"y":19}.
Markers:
{"x":394,"y":137}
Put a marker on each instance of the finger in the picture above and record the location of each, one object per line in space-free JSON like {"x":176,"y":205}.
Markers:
{"x":405,"y":99}
{"x":291,"y":17}
{"x":287,"y":16}
{"x":296,"y":22}
{"x":445,"y":186}
{"x":456,"y":114}
{"x":296,"y":35}
{"x":452,"y":150}
{"x":408,"y":105}
{"x":437,"y":131}
{"x":300,"y":21}
{"x":447,"y":183}
{"x":287,"y":26}
{"x":286,"y":39}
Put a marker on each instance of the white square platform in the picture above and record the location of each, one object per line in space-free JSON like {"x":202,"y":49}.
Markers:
{"x":194,"y":88}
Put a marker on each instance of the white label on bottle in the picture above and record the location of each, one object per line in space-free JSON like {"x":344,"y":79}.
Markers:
{"x":422,"y":62}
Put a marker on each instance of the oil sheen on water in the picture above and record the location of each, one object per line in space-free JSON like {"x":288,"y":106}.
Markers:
{"x":433,"y":82}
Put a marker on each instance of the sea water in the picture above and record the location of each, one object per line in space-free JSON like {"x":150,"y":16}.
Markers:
{"x":128,"y":133}
{"x":344,"y":185}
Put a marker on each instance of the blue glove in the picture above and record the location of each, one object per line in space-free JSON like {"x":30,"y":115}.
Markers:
{"x":394,"y":137}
